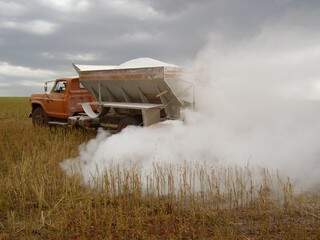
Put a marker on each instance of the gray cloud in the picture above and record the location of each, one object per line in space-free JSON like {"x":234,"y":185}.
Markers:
{"x":38,"y":27}
{"x":50,"y":35}
{"x":9,"y":8}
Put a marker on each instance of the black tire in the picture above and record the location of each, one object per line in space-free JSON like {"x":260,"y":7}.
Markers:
{"x":39,"y":117}
{"x":124,"y":122}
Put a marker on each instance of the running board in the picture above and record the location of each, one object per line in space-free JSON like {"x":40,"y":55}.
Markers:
{"x":57,"y":123}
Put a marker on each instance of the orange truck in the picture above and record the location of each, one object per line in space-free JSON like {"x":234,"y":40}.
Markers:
{"x":62,"y":102}
{"x":113,"y":97}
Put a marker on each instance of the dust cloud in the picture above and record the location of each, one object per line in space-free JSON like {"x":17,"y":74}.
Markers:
{"x":257,"y":103}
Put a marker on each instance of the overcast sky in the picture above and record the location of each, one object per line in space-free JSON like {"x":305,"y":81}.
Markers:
{"x":39,"y":39}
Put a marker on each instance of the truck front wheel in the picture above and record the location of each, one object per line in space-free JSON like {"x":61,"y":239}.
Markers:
{"x":39,"y":117}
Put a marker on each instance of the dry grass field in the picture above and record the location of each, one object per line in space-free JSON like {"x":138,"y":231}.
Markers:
{"x":39,"y":201}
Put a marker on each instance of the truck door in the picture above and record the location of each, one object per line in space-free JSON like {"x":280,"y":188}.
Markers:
{"x":56,"y":102}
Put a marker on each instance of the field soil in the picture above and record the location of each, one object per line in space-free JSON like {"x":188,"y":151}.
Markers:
{"x":39,"y":201}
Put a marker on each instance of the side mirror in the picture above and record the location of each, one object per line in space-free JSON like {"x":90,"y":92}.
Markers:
{"x":45,"y":87}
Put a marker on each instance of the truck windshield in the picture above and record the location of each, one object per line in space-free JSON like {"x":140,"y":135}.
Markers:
{"x":59,"y":87}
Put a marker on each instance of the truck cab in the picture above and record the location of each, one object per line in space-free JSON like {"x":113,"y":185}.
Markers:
{"x":60,"y":103}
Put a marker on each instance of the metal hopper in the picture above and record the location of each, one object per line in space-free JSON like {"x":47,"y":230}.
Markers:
{"x":153,"y":91}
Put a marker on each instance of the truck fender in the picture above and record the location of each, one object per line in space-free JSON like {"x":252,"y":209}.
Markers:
{"x":36,"y":104}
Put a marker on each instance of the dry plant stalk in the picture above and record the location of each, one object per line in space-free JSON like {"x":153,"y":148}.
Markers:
{"x":39,"y":201}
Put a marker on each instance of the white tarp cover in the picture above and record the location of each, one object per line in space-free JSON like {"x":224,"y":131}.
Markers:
{"x":135,"y":63}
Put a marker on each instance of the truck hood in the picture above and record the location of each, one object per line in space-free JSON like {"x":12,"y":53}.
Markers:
{"x":37,"y":96}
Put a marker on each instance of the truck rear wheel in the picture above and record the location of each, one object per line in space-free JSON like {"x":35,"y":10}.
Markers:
{"x":39,"y":117}
{"x":124,"y":122}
